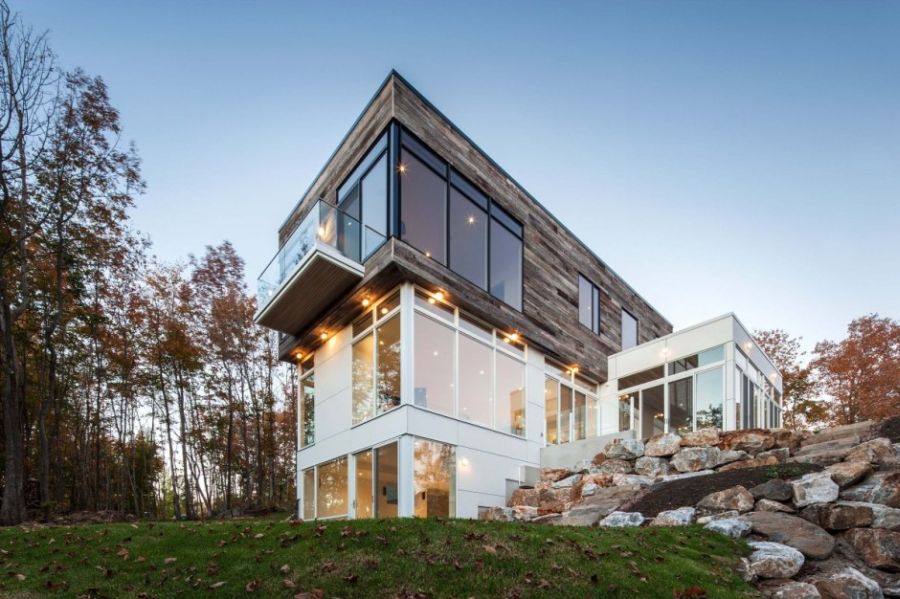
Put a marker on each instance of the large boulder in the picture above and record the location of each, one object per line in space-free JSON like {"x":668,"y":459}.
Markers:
{"x":612,"y":466}
{"x":683,"y":516}
{"x":580,"y":516}
{"x":775,"y":489}
{"x":497,"y":514}
{"x":624,"y":449}
{"x":704,"y":437}
{"x":849,"y":583}
{"x":730,"y":527}
{"x":878,"y":547}
{"x":620,"y":480}
{"x":774,"y":560}
{"x":881,"y":487}
{"x":567,"y":482}
{"x":767,"y":505}
{"x":554,"y":500}
{"x":875,"y":451}
{"x":844,"y":517}
{"x":681,"y":475}
{"x":622,"y":520}
{"x":731,"y":455}
{"x":525,"y":496}
{"x":551,"y":475}
{"x":846,"y":474}
{"x":781,"y":454}
{"x":694,"y":459}
{"x":882,"y":515}
{"x":729,"y":515}
{"x":524,"y":513}
{"x":769,"y":460}
{"x":736,"y":498}
{"x":806,"y":537}
{"x":610,"y":499}
{"x":662,"y":446}
{"x":815,"y":487}
{"x":751,"y":440}
{"x":787,"y":438}
{"x":789,"y":589}
{"x":652,"y":466}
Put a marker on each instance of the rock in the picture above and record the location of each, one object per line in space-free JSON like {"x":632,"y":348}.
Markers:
{"x":774,"y":489}
{"x":843,"y":517}
{"x":875,"y":451}
{"x":610,"y":499}
{"x":730,"y":514}
{"x":790,"y":589}
{"x":781,"y":454}
{"x":846,"y":474}
{"x":767,"y":505}
{"x":589,"y":489}
{"x":881,"y":487}
{"x":612,"y":466}
{"x":547,"y":519}
{"x":730,"y":527}
{"x":622,"y":519}
{"x":662,"y":445}
{"x":525,"y":496}
{"x":693,"y":459}
{"x":554,"y":474}
{"x":681,"y":475}
{"x":774,"y":560}
{"x":632,"y":479}
{"x":849,"y":583}
{"x":878,"y":547}
{"x":736,"y":498}
{"x":652,"y":466}
{"x":882,"y":516}
{"x":624,"y":449}
{"x":804,"y":536}
{"x":751,"y":440}
{"x":815,"y":487}
{"x":683,"y":516}
{"x":497,"y":514}
{"x":554,"y":500}
{"x":787,"y":438}
{"x":825,"y":453}
{"x":580,"y":516}
{"x":582,"y":466}
{"x":751,"y":463}
{"x":704,"y":437}
{"x":813,"y":513}
{"x":567,"y":482}
{"x":523,"y":513}
{"x":731,"y":455}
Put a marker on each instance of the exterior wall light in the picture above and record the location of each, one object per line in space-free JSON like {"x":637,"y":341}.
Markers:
{"x":366,"y":301}
{"x":464,"y":463}
{"x":323,"y":336}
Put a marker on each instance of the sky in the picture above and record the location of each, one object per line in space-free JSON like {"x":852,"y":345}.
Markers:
{"x":720,"y":156}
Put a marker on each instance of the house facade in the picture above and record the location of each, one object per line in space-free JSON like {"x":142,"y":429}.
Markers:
{"x":446,"y":328}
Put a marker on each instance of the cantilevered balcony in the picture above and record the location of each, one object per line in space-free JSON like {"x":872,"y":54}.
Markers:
{"x":321,"y":261}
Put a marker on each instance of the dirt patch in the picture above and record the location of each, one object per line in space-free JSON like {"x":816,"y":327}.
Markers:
{"x":689,"y":491}
{"x":890,"y":428}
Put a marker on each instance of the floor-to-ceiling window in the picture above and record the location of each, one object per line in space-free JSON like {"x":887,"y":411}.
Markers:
{"x":710,"y":397}
{"x":629,"y":329}
{"x":570,"y":405}
{"x":423,"y":207}
{"x":331,"y":488}
{"x":653,"y":420}
{"x":376,"y":360}
{"x":434,"y":376}
{"x":307,"y":402}
{"x":364,"y":196}
{"x":309,"y":494}
{"x":434,"y":479}
{"x":376,"y":482}
{"x":468,"y":237}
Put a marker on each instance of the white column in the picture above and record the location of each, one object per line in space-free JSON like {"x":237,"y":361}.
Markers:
{"x":405,"y":487}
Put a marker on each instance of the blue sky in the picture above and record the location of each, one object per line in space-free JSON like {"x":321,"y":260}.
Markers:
{"x":720,"y":156}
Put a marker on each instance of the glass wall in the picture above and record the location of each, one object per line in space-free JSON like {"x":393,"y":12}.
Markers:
{"x":364,"y":196}
{"x":629,"y":330}
{"x":376,"y":372}
{"x":551,"y":410}
{"x":434,"y":479}
{"x":376,"y":482}
{"x":331,"y":489}
{"x":365,"y":507}
{"x":710,"y":397}
{"x":480,"y":241}
{"x":625,"y":403}
{"x":652,"y":417}
{"x":570,"y":406}
{"x":681,"y":405}
{"x":307,"y":402}
{"x":309,"y":494}
{"x":462,"y":368}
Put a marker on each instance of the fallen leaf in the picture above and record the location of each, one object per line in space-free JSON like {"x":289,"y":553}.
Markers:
{"x":252,"y":586}
{"x":170,"y":560}
{"x":217,"y":585}
{"x":351,"y":578}
{"x":258,"y":535}
{"x":285,"y":569}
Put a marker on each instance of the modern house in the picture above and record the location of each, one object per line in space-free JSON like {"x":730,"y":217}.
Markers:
{"x":448,"y":331}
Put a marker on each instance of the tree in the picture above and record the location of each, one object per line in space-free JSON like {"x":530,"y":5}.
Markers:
{"x":801,"y":406}
{"x":861,"y":373}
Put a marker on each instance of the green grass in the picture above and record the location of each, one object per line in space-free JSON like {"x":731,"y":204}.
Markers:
{"x":388,"y":558}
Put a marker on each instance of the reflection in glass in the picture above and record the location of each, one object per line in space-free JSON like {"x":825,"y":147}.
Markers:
{"x":506,"y":266}
{"x":364,"y":503}
{"x":468,"y":239}
{"x":309,"y":494}
{"x":585,"y":302}
{"x":629,"y":330}
{"x":363,"y":378}
{"x":386,"y":481}
{"x":551,"y":406}
{"x":388,"y":335}
{"x":681,"y":406}
{"x":434,"y":476}
{"x":308,"y":410}
{"x":433,"y":365}
{"x":374,"y":197}
{"x":331,"y":494}
{"x":580,"y":415}
{"x":565,"y":414}
{"x":709,"y":398}
{"x":510,"y":395}
{"x":423,"y":210}
{"x":474,"y":381}
{"x":653,"y":419}
{"x":625,"y":411}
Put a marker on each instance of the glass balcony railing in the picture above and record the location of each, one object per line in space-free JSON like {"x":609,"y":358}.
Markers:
{"x":324,"y":226}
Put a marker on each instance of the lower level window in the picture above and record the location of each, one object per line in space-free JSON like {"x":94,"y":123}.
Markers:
{"x":710,"y":400}
{"x":331,"y":490}
{"x":434,"y":477}
{"x":376,"y":482}
{"x":309,"y":494}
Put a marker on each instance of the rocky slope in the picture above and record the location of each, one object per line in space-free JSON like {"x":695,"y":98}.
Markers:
{"x":821,"y":512}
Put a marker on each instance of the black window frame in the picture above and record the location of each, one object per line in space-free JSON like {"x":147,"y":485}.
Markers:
{"x":596,"y":296}
{"x":386,"y":138}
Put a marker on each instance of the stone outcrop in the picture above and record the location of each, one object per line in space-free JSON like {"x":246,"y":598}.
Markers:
{"x":774,"y":560}
{"x":814,"y":488}
{"x":662,"y":445}
{"x":692,"y":459}
{"x":879,"y":548}
{"x":811,"y":540}
{"x":736,"y":498}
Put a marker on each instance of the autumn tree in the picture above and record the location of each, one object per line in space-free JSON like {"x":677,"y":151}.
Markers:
{"x":801,"y":405}
{"x":861,"y":374}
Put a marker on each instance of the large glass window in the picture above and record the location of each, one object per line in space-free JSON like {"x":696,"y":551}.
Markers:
{"x":365,"y":507}
{"x":331,"y":493}
{"x":653,"y":421}
{"x":506,"y":265}
{"x":704,"y":358}
{"x":468,"y":238}
{"x":363,"y":378}
{"x":309,"y":494}
{"x":551,"y":409}
{"x":376,"y":482}
{"x":710,"y":400}
{"x":433,"y":365}
{"x":375,"y":206}
{"x":434,"y":477}
{"x":423,"y":200}
{"x":475,"y":381}
{"x":639,"y":378}
{"x":510,"y":404}
{"x":308,"y":409}
{"x":629,"y":330}
{"x":681,"y":406}
{"x":588,"y":304}
{"x":565,"y":414}
{"x":625,"y":410}
{"x":388,"y":336}
{"x":580,"y":421}
{"x":376,"y":365}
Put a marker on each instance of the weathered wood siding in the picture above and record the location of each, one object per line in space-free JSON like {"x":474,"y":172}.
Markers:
{"x":553,"y":257}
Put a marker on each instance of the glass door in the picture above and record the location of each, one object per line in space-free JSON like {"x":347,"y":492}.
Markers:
{"x":376,"y":482}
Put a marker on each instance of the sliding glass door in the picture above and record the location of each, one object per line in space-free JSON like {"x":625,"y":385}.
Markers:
{"x":376,"y":482}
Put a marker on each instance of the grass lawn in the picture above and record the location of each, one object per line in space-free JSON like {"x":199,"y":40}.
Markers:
{"x":368,"y":558}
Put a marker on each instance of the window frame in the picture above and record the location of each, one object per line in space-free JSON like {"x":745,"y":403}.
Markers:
{"x":309,"y":372}
{"x":637,"y":328}
{"x":377,"y":320}
{"x":596,"y":303}
{"x":572,"y":381}
{"x":359,"y":174}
